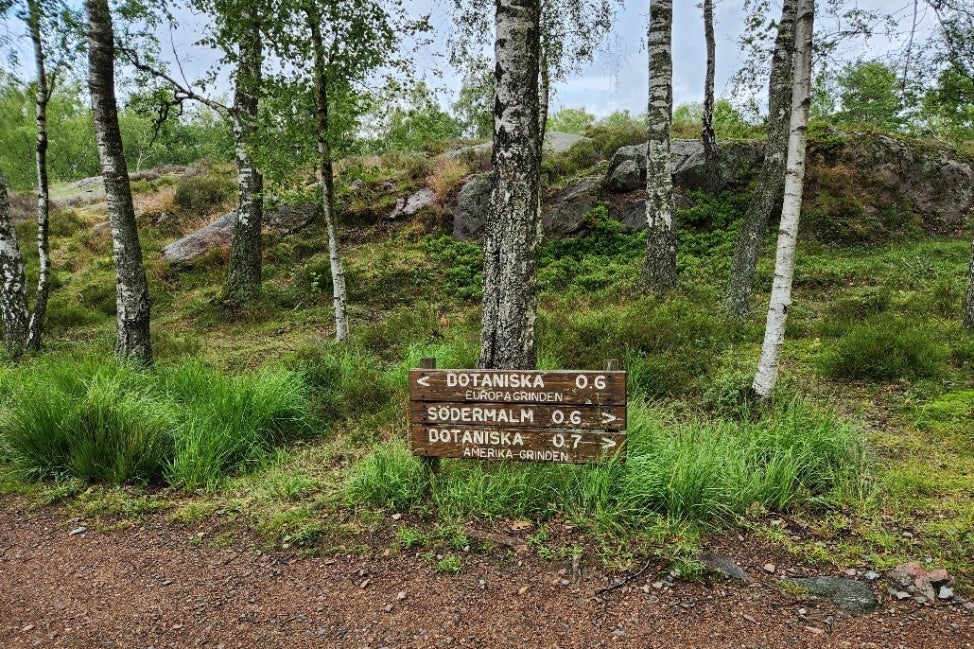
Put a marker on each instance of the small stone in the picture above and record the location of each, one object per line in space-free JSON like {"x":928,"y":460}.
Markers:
{"x":749,"y":618}
{"x":803,"y":612}
{"x":523,"y":589}
{"x":618,"y":633}
{"x":769,"y":568}
{"x":29,"y":627}
{"x":78,"y":530}
{"x":920,"y":599}
{"x":872,"y":575}
{"x":969,"y":606}
{"x":388,"y":608}
{"x":482,"y":583}
{"x":850,"y":572}
{"x":396,"y":516}
{"x":658,"y":585}
{"x":564,"y":582}
{"x":365,"y":583}
{"x":401,"y":595}
{"x":901,"y":595}
{"x":945,"y":593}
{"x":907,"y":535}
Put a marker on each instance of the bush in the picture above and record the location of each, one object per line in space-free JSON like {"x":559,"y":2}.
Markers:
{"x":204,"y":193}
{"x":883,"y":349}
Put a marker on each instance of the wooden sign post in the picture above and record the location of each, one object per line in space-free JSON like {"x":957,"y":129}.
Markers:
{"x":555,"y":416}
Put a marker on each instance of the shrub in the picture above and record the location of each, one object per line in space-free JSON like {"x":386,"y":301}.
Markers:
{"x":883,"y":349}
{"x":204,"y":193}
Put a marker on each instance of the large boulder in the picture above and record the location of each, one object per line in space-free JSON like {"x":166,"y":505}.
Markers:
{"x":555,"y":142}
{"x":566,"y":213}
{"x":737,"y":161}
{"x":218,"y":234}
{"x":470,"y":212}
{"x":883,"y":175}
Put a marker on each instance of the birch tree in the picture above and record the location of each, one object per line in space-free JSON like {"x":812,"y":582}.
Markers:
{"x":774,"y":333}
{"x":707,"y":127}
{"x":768,"y":193}
{"x":131,"y":287}
{"x":512,"y":234}
{"x":42,"y":97}
{"x":660,"y":264}
{"x":244,"y":272}
{"x":13,"y":282}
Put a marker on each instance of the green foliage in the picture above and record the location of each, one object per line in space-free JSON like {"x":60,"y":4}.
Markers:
{"x":418,"y":124}
{"x":203,"y":193}
{"x":570,"y":120}
{"x":616,"y":130}
{"x":884,"y":349}
{"x":474,"y":107}
{"x":729,"y":123}
{"x":869,"y":93}
{"x":463,"y":264}
{"x":187,"y":425}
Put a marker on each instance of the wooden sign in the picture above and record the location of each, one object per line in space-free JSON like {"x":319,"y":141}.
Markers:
{"x":554,"y":416}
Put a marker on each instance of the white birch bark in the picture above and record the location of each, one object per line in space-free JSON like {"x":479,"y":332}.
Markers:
{"x":339,"y":294}
{"x":774,"y":333}
{"x":707,"y":135}
{"x":13,"y":282}
{"x":131,"y":286}
{"x":660,"y":265}
{"x":512,"y":234}
{"x":43,"y":203}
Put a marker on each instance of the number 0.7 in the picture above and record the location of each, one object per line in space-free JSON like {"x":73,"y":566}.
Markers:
{"x":581,"y":382}
{"x":559,"y":440}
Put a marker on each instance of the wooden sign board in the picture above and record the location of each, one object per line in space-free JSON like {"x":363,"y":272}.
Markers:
{"x":556,"y":416}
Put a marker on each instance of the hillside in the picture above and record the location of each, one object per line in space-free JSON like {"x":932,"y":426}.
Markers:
{"x":863,"y":462}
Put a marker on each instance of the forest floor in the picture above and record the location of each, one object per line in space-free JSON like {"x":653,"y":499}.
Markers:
{"x":148,"y":582}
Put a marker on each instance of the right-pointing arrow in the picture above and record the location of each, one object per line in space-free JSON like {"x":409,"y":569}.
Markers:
{"x":608,"y":418}
{"x":608,"y":442}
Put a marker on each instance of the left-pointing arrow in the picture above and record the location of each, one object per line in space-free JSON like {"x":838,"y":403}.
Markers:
{"x":424,"y":381}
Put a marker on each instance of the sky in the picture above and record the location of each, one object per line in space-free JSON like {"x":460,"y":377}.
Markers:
{"x":618,"y":82}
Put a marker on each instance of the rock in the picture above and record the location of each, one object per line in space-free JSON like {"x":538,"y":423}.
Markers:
{"x":912,"y":576}
{"x":724,"y":566}
{"x":945,"y":593}
{"x":413,"y":203}
{"x":470,"y":212}
{"x":356,"y":185}
{"x":401,"y":595}
{"x":566,"y":215}
{"x":769,"y":568}
{"x":872,"y":575}
{"x":626,"y":177}
{"x":101,"y":228}
{"x":557,"y":142}
{"x":737,"y":161}
{"x":922,"y":179}
{"x":848,"y":594}
{"x":218,"y":234}
{"x":78,"y":530}
{"x":522,"y":590}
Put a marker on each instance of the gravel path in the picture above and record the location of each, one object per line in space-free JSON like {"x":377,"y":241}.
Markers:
{"x":160,"y":585}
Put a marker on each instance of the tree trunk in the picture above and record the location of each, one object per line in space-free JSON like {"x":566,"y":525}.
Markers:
{"x":244,"y":276}
{"x":767,"y":196}
{"x":326,"y":182}
{"x":969,"y":300}
{"x":131,"y":288}
{"x":774,"y":333}
{"x":13,"y":282}
{"x":544,"y":96}
{"x":707,"y":134}
{"x":660,"y":265}
{"x":36,"y":325}
{"x":512,"y":234}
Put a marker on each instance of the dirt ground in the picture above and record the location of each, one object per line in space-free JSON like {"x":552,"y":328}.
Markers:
{"x":160,"y":585}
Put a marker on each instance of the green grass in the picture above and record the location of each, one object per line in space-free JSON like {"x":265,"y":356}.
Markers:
{"x":187,"y":425}
{"x":701,"y":471}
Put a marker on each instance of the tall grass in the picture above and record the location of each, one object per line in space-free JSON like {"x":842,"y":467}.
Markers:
{"x":704,"y":470}
{"x":188,"y":425}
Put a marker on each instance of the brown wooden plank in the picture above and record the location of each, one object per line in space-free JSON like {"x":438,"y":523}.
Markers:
{"x":502,"y":386}
{"x":506,"y":415}
{"x":516,"y":444}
